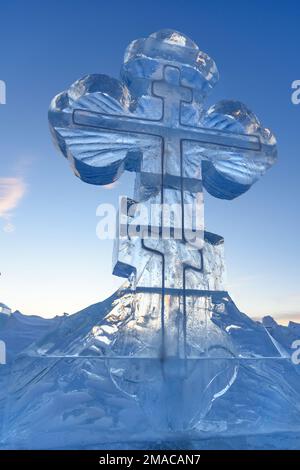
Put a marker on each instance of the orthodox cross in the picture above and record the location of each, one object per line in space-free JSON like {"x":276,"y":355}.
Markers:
{"x":154,"y":123}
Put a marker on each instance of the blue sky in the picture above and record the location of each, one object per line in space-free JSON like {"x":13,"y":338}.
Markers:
{"x":50,"y":258}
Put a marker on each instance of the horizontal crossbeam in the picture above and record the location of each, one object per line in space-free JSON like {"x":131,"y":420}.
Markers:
{"x":157,"y":128}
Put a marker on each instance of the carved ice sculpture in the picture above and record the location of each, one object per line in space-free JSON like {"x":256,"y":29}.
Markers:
{"x":154,"y":122}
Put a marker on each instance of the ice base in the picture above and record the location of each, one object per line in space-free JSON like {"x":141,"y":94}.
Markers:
{"x":68,"y":391}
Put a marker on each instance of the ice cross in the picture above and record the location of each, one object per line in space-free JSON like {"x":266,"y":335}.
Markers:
{"x":154,"y":123}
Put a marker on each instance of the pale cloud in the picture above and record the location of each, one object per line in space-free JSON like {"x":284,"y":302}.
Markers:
{"x":285,"y":318}
{"x":281,"y":319}
{"x":12,"y":191}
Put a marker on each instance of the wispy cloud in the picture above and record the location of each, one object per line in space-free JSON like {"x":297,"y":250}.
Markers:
{"x":12,"y":191}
